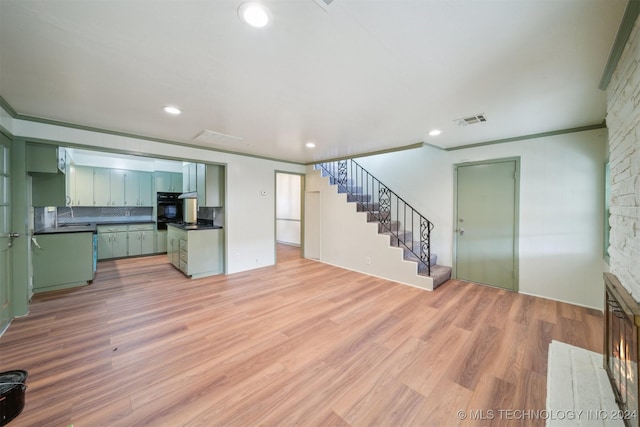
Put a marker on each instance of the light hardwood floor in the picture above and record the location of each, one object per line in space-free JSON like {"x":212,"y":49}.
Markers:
{"x":299,"y":343}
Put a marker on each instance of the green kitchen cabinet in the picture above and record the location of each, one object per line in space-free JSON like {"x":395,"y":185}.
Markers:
{"x":201,"y":183}
{"x":174,"y":235}
{"x":108,"y":187}
{"x":46,"y":166}
{"x":189,"y":177}
{"x":140,"y":239}
{"x":48,"y":189}
{"x":213,"y":192}
{"x":161,"y":241}
{"x":168,"y":181}
{"x":197,"y":253}
{"x":146,"y":198}
{"x":45,"y":158}
{"x":138,"y":191}
{"x":62,"y":260}
{"x":79,"y":186}
{"x":112,"y":241}
{"x":207,"y":181}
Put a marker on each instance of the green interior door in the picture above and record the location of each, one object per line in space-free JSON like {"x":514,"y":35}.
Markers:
{"x":5,"y":230}
{"x":486,"y":223}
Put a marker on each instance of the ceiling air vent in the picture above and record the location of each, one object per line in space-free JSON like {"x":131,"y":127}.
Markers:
{"x":472,"y":120}
{"x":324,"y":4}
{"x":216,"y":138}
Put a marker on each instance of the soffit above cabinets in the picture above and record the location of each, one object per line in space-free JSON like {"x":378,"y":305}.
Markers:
{"x":121,"y":161}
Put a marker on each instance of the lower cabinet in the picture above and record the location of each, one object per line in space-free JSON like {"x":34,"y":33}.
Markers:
{"x":62,"y":260}
{"x":119,"y":241}
{"x":112,"y":241}
{"x":161,"y":241}
{"x":140,"y":239}
{"x":197,"y":253}
{"x":174,"y":236}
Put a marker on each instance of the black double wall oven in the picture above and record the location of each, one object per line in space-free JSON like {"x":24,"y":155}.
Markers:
{"x":169,"y":209}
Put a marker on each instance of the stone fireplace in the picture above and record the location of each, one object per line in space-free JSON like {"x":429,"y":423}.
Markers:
{"x":621,"y":340}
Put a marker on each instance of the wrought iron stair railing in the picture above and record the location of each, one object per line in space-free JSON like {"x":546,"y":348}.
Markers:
{"x":414,"y":233}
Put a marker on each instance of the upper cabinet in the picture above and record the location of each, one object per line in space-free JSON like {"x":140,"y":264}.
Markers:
{"x":207,"y":181}
{"x":108,"y":187}
{"x":138,"y":188}
{"x":168,"y":181}
{"x":88,"y":186}
{"x":44,"y":162}
{"x":80,"y":186}
{"x":189,"y":177}
{"x":45,"y":158}
{"x":214,"y":193}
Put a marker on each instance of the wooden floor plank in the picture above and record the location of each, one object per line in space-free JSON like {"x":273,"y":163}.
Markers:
{"x":298,"y":343}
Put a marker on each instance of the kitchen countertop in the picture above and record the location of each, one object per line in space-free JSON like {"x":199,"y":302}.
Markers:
{"x":195,"y":227}
{"x":85,"y":227}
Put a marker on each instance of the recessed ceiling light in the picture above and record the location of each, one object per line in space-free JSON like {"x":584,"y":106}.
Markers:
{"x":254,"y":14}
{"x":172,"y":110}
{"x":310,"y":144}
{"x":435,"y":132}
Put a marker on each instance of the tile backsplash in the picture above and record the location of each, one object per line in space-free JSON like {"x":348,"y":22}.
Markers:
{"x":70,"y":215}
{"x":44,"y":217}
{"x":212,"y":214}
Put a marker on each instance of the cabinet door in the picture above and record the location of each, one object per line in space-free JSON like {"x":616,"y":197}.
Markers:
{"x":163,"y":181}
{"x":104,"y":246}
{"x":176,"y":181}
{"x":145,"y":197}
{"x":214,"y":186}
{"x":201,"y":176}
{"x":173,"y":249}
{"x":146,"y":242}
{"x":134,"y":243}
{"x":84,"y":187}
{"x":117,"y":187}
{"x":42,"y":158}
{"x":102,"y":187}
{"x":186,"y":178}
{"x":70,"y":185}
{"x":119,"y":245}
{"x":131,"y":188}
{"x":161,"y":241}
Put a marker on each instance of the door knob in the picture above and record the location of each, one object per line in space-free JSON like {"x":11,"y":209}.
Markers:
{"x":460,"y":230}
{"x":11,"y":236}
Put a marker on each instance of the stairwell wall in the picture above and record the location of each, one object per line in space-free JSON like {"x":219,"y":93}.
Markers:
{"x":347,"y":240}
{"x":561,"y":206}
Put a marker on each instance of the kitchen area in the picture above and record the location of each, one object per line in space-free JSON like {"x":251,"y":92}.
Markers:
{"x":88,"y":206}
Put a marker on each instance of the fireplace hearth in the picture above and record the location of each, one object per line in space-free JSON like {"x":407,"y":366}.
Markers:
{"x":622,"y":318}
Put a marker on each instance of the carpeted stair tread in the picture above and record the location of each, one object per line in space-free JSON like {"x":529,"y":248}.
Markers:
{"x":439,"y":273}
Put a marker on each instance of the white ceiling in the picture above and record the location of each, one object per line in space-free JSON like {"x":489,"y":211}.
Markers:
{"x":358,"y":77}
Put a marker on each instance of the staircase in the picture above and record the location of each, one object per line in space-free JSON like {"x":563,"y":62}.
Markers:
{"x":406,"y":227}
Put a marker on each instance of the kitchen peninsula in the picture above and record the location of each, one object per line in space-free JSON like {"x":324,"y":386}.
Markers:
{"x":197,"y":249}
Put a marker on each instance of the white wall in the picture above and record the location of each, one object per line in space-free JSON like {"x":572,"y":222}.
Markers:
{"x":561,"y":206}
{"x":623,"y":116}
{"x":249,"y":232}
{"x":347,"y":240}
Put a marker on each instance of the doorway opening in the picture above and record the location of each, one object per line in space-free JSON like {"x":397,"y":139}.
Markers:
{"x":289,"y":210}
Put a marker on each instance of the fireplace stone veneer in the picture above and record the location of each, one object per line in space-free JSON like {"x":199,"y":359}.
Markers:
{"x":622,"y":318}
